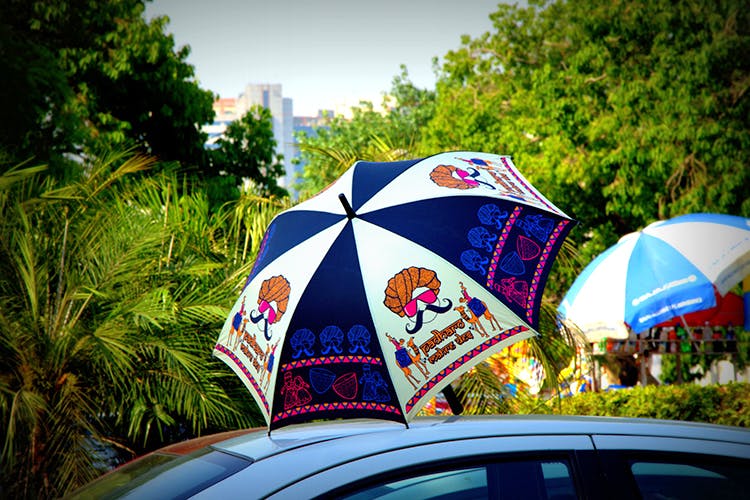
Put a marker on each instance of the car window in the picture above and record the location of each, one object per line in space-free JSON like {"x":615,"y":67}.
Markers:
{"x":558,"y":481}
{"x":698,"y":479}
{"x":462,"y":483}
{"x":165,"y":477}
{"x":118,"y":479}
{"x":523,"y":479}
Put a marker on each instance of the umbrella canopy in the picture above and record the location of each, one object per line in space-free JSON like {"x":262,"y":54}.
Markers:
{"x":729,"y":310}
{"x":368,"y":299}
{"x":669,"y":269}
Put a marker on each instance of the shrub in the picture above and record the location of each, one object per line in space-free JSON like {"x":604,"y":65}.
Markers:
{"x":727,"y":404}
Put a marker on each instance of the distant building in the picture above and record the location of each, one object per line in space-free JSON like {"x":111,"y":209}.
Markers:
{"x":226,"y":112}
{"x":270,"y":97}
{"x":307,"y":125}
{"x":290,"y":148}
{"x":285,"y":124}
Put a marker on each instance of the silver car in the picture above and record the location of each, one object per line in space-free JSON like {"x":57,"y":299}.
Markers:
{"x":505,"y":457}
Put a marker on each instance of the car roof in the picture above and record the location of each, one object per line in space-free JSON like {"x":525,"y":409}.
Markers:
{"x":188,"y":446}
{"x":361,"y":437}
{"x":293,"y":456}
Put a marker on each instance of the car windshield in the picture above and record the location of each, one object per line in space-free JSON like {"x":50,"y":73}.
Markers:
{"x":160,"y":476}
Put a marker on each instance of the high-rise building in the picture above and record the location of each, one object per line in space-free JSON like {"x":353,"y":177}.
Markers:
{"x":308,"y":126}
{"x":270,"y":97}
{"x":285,"y":124}
{"x":225,"y":111}
{"x":290,"y":147}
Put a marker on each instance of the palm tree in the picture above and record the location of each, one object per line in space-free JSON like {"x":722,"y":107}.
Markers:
{"x":113,"y":288}
{"x":327,"y":163}
{"x":486,"y":388}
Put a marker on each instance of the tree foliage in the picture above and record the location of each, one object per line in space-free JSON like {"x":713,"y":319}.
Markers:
{"x":247,"y":150}
{"x":112,"y":294}
{"x":80,"y":75}
{"x":725,"y":404}
{"x":621,"y":112}
{"x":369,"y":134}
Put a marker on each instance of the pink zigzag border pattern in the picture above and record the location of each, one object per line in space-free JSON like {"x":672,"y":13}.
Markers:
{"x":460,"y":362}
{"x":531,"y":190}
{"x":302,"y":410}
{"x":245,"y":371}
{"x":536,"y":279}
{"x":500,"y":244}
{"x":330,"y":360}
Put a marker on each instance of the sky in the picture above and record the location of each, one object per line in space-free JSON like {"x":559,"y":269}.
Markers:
{"x":326,"y":54}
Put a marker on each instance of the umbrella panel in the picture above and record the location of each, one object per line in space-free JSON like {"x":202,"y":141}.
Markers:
{"x":661,"y":283}
{"x":729,"y":310}
{"x":370,"y":177}
{"x":504,"y":246}
{"x":718,"y":244}
{"x":331,"y":363}
{"x":286,"y":231}
{"x":420,"y":300}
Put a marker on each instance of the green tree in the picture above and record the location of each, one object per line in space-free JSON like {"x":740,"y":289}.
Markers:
{"x":621,"y":112}
{"x":79,"y":75}
{"x":371,"y":135}
{"x":112,"y":294}
{"x":247,"y":150}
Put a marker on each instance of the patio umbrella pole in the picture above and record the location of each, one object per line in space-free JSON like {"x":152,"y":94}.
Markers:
{"x":687,"y":327}
{"x":642,"y":359}
{"x":678,"y":366}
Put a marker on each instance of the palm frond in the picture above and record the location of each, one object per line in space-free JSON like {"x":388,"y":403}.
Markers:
{"x":19,"y":173}
{"x":112,"y":293}
{"x":482,"y":392}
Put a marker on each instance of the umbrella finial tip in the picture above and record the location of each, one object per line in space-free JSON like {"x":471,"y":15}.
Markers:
{"x":347,"y":207}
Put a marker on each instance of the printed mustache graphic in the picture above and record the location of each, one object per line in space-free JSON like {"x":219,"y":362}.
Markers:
{"x":257,"y":319}
{"x":419,"y":316}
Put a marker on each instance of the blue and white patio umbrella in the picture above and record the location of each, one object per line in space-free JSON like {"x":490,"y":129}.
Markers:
{"x":668,"y":269}
{"x":371,"y":297}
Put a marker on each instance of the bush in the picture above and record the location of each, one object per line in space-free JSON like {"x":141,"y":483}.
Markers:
{"x":727,"y":404}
